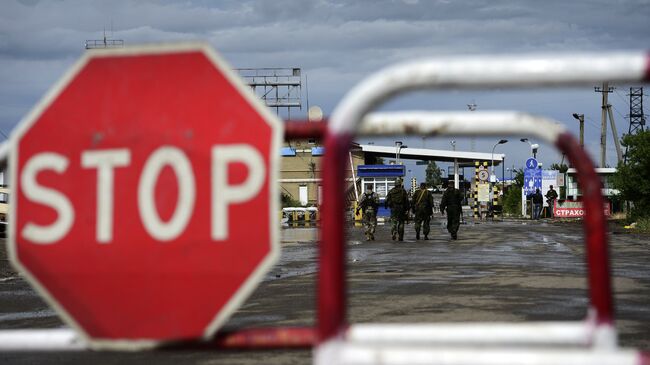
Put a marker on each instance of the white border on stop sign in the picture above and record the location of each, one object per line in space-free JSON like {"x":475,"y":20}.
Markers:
{"x":277,"y":127}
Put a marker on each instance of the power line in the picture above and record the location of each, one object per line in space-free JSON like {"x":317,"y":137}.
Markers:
{"x":627,"y":103}
{"x":593,"y":122}
{"x":619,"y":113}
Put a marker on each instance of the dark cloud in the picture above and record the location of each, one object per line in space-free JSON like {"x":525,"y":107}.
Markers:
{"x":336,"y":42}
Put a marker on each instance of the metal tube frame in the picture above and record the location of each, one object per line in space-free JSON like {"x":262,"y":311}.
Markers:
{"x":466,"y":73}
{"x":477,"y":72}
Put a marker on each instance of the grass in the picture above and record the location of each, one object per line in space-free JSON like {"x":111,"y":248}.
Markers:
{"x":643,"y":224}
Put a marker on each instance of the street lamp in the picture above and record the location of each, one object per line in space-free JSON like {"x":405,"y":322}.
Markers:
{"x":581,"y":119}
{"x":398,"y":148}
{"x":495,"y":146}
{"x":533,"y":147}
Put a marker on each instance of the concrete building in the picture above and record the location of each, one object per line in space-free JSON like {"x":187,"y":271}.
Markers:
{"x":300,"y":171}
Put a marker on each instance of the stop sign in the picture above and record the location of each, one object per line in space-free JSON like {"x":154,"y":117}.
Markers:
{"x":145,"y":194}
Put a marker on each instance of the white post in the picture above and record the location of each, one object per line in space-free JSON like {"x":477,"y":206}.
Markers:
{"x":354,"y":179}
{"x":456,"y":182}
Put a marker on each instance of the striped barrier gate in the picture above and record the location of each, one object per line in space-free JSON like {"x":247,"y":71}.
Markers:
{"x":480,"y":178}
{"x":497,"y":210}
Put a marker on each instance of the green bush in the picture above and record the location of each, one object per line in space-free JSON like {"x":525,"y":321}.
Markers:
{"x":643,"y":224}
{"x":512,"y":201}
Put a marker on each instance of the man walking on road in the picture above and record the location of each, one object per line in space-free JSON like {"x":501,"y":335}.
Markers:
{"x":538,"y":201}
{"x":398,"y":202}
{"x":451,"y":201}
{"x":422,"y":205}
{"x":551,"y":195}
{"x":369,"y":204}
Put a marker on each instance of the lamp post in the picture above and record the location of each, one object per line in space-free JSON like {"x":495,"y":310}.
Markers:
{"x":398,"y":148}
{"x":581,"y":119}
{"x":533,"y":147}
{"x":495,"y":146}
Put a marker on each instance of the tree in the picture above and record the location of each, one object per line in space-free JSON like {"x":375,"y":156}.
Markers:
{"x":631,"y":178}
{"x":562,"y":168}
{"x":512,"y":195}
{"x":433,"y":175}
{"x":374,"y":160}
{"x":519,"y":177}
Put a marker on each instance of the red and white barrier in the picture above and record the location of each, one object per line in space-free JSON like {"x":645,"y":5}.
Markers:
{"x":590,"y":341}
{"x":402,"y":344}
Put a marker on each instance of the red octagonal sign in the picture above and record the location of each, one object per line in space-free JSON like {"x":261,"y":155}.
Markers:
{"x":145,"y":194}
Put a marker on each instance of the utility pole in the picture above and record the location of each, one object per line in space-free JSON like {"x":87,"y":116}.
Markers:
{"x":607,"y":110}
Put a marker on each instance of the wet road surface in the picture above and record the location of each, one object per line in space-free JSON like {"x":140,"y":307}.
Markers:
{"x":497,"y":271}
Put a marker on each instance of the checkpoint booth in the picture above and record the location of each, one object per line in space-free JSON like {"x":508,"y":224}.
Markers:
{"x":574,"y":192}
{"x":197,"y":258}
{"x":382,"y":178}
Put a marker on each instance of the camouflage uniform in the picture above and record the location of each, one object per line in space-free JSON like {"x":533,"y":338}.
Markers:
{"x":369,"y":204}
{"x":551,"y":195}
{"x":398,"y":202}
{"x":422,"y":205}
{"x":451,"y":200}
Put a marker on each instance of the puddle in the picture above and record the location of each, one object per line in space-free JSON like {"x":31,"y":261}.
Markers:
{"x":4,"y":317}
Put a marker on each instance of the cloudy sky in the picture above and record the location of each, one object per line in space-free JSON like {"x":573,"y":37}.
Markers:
{"x":337,"y":43}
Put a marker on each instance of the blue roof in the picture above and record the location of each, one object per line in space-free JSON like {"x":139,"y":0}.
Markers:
{"x":381,"y":170}
{"x":288,"y":151}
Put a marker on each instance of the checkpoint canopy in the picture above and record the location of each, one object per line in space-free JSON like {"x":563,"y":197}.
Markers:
{"x":145,"y":203}
{"x":463,"y":158}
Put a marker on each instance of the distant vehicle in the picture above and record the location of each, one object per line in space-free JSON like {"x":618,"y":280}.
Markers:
{"x":4,"y":208}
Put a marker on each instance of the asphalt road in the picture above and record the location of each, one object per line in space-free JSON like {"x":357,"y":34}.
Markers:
{"x":497,"y":271}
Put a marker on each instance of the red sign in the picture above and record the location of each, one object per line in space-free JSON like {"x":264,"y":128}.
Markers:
{"x":145,"y":194}
{"x":574,"y":209}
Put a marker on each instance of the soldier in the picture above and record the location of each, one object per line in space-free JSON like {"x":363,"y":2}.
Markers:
{"x":551,"y":195}
{"x":451,"y":200}
{"x":369,"y":204}
{"x":537,"y":199}
{"x":398,"y":202}
{"x":422,"y":206}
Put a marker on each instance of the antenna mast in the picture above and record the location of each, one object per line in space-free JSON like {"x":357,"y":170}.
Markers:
{"x":105,"y":42}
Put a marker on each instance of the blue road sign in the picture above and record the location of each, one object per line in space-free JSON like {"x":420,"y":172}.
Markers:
{"x":532,"y":179}
{"x":531,"y":163}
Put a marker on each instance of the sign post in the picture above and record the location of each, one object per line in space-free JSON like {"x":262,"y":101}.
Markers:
{"x":137,"y":181}
{"x":532,"y":182}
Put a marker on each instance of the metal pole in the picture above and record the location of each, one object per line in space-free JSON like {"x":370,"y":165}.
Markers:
{"x":503,"y":173}
{"x":582,"y":130}
{"x":354,"y":178}
{"x":456,"y":182}
{"x":492,"y":167}
{"x":603,"y":126}
{"x":398,"y":145}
